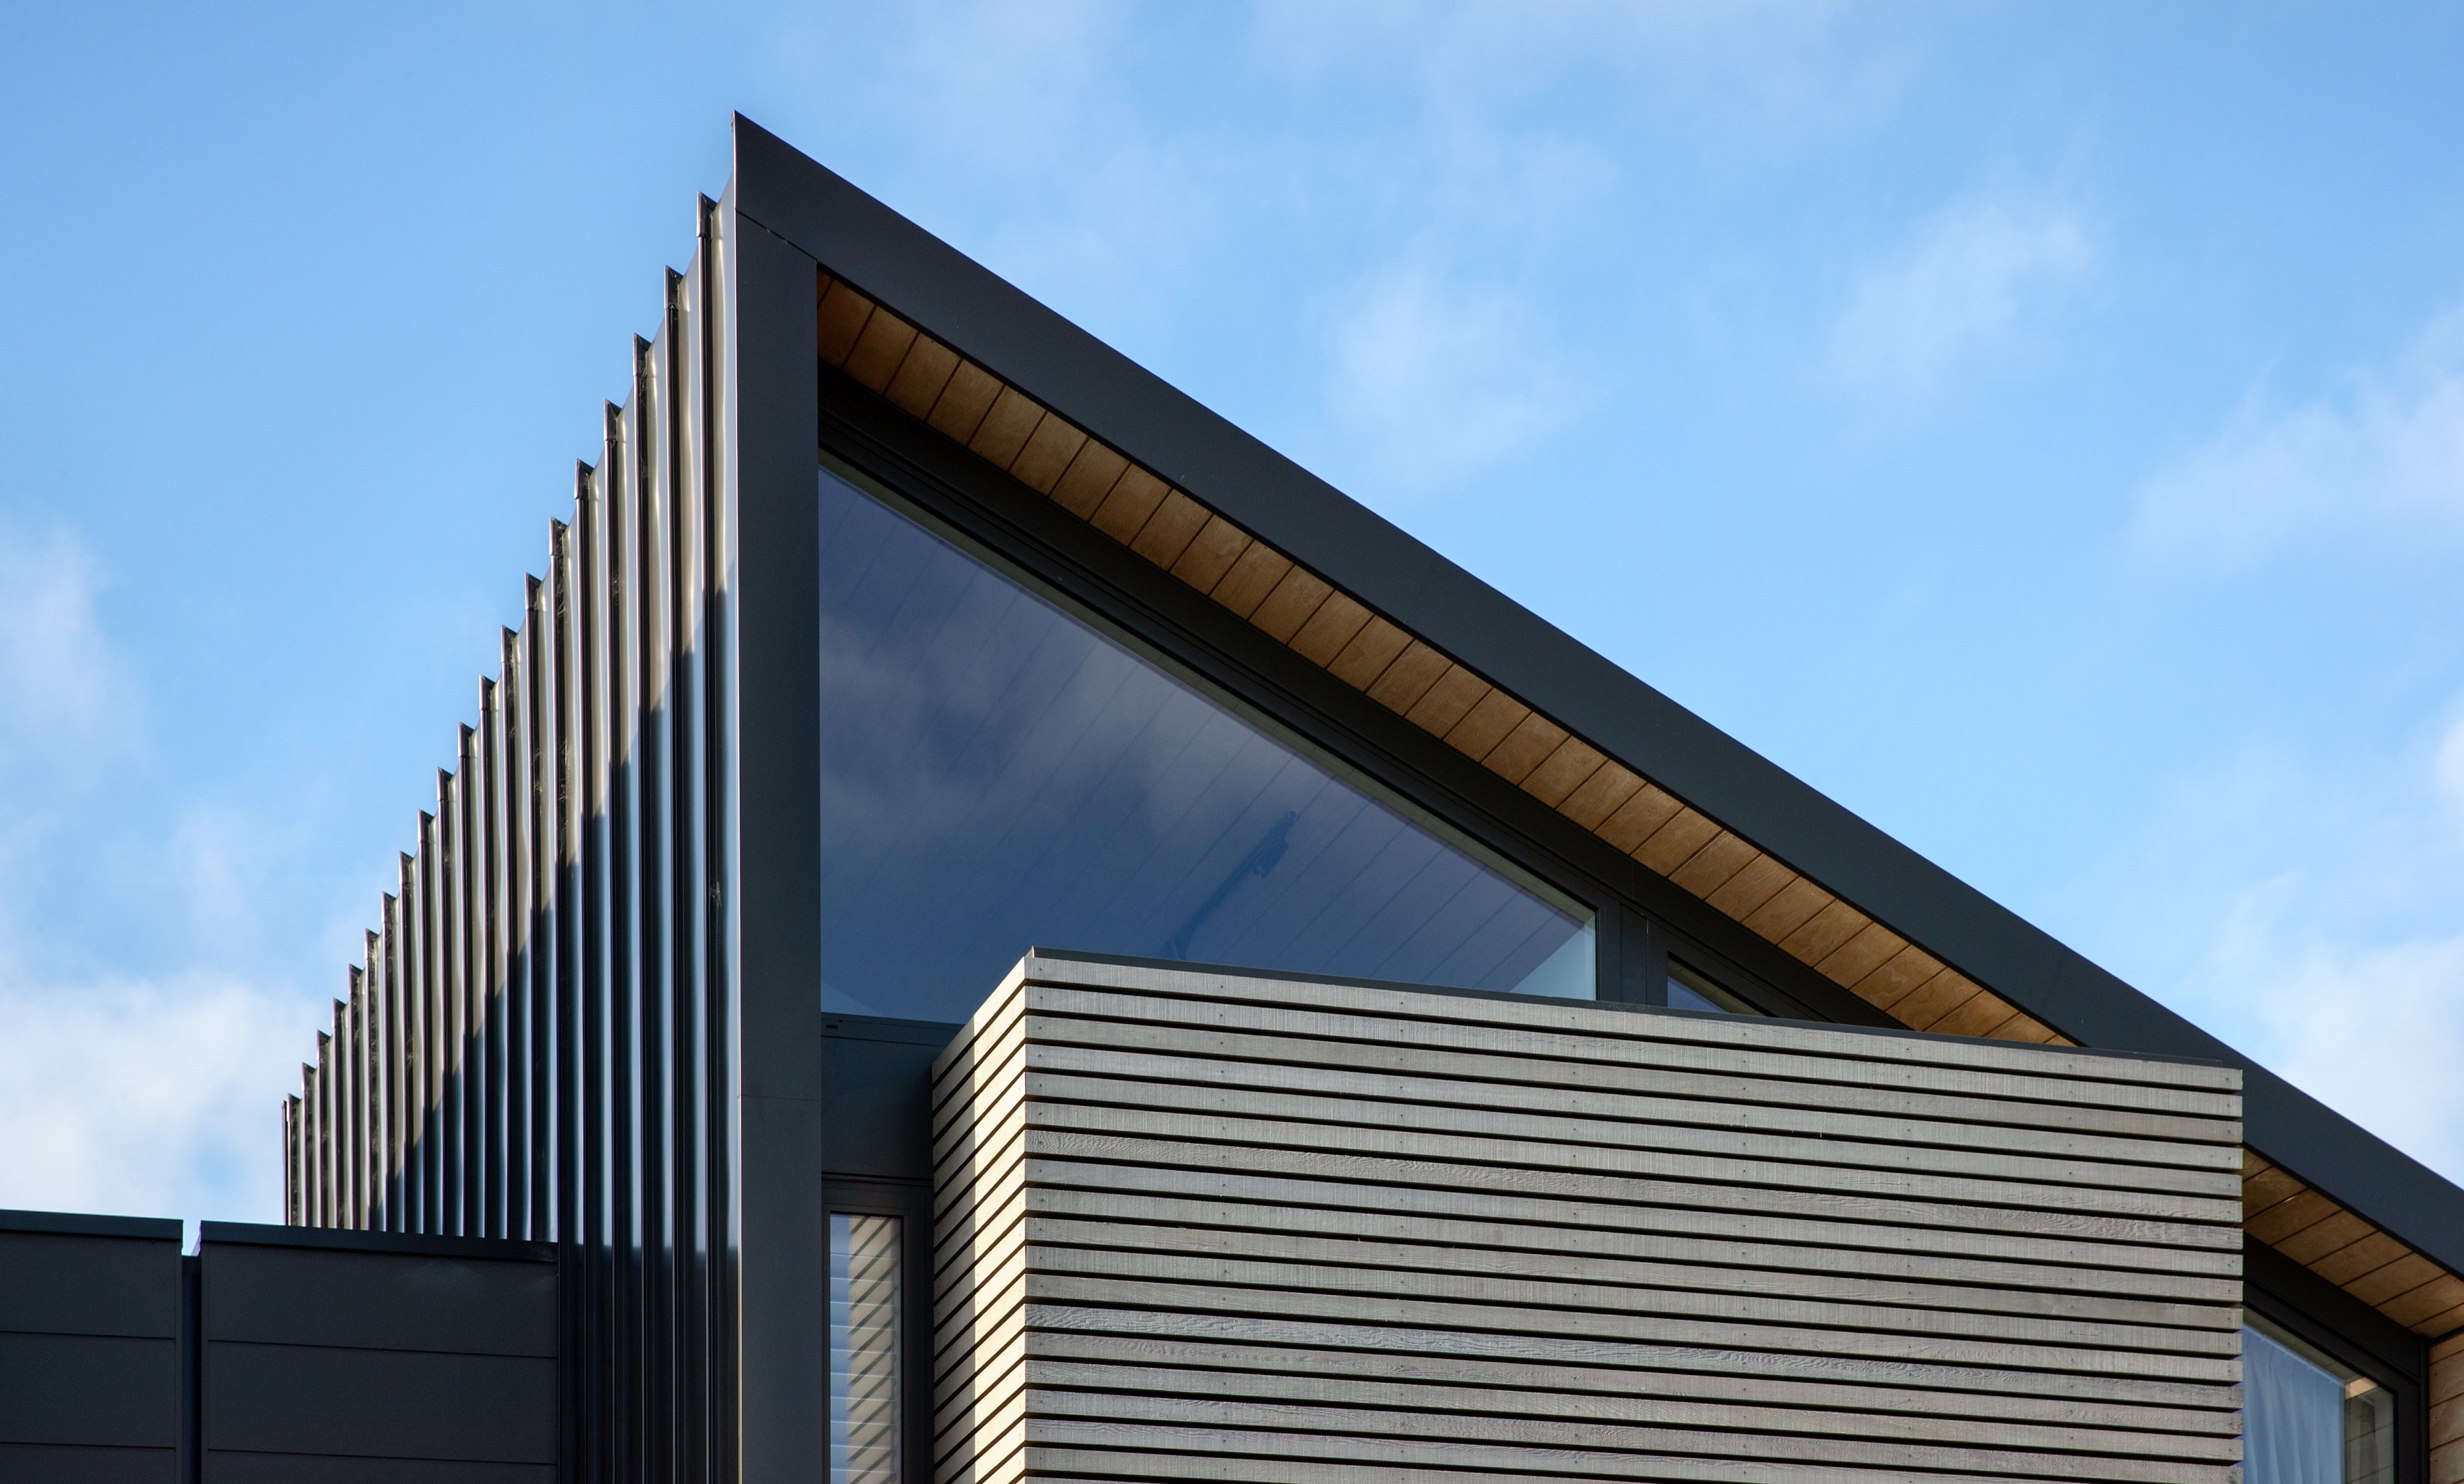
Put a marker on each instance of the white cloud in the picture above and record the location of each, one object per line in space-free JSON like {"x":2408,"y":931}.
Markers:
{"x":146,"y":1098}
{"x":63,"y":698}
{"x":2387,"y":454}
{"x":1756,"y":72}
{"x":1433,"y":381}
{"x":2312,"y":923}
{"x":1961,"y":296}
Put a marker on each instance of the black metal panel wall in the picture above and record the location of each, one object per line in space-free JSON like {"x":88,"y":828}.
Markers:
{"x":89,"y":1349}
{"x":345,"y":1356}
{"x":534,"y":1048}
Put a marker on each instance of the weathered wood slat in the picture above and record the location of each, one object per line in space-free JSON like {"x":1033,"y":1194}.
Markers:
{"x":1187,"y":1225}
{"x":2071,"y":1314}
{"x":1511,"y":1080}
{"x":1339,"y":1011}
{"x":2008,"y":1128}
{"x":1507,"y":1445}
{"x":1417,"y":1161}
{"x":1704,"y":1333}
{"x":1896,"y":1405}
{"x":1702,"y":1075}
{"x":1679,"y":1425}
{"x":2012,"y":1287}
{"x":1404,"y":1337}
{"x":1712,"y":1220}
{"x":1945,"y":1157}
{"x":999,"y":1409}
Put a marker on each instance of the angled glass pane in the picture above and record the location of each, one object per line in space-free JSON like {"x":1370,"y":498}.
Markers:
{"x":1689,"y":989}
{"x":998,"y":773}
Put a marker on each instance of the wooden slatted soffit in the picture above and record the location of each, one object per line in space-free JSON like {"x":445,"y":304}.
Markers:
{"x":1199,"y":1226}
{"x":925,"y":377}
{"x":1338,"y":633}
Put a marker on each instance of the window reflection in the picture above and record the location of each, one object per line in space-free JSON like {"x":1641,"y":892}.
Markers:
{"x":1691,"y":989}
{"x":2307,"y":1419}
{"x":863,"y":1350}
{"x":997,"y":774}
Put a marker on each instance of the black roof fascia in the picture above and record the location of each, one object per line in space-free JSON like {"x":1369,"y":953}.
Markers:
{"x":409,"y":1244}
{"x":1017,"y":338}
{"x":70,"y":1223}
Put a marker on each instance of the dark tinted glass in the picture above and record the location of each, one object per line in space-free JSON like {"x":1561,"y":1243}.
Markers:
{"x":1689,"y":989}
{"x":998,"y":774}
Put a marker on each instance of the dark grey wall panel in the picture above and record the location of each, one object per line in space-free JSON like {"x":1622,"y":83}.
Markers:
{"x":379,"y":1300}
{"x":305,"y":1469}
{"x":876,"y":1113}
{"x":63,"y":1284}
{"x":382,"y":1404}
{"x":37,"y":1464}
{"x":401,"y":1351}
{"x":89,"y":1347}
{"x":102,"y":1389}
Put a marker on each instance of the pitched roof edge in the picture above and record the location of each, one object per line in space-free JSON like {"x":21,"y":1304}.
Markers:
{"x":803,"y":202}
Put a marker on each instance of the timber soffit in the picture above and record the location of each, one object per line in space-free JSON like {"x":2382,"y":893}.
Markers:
{"x":1383,"y":632}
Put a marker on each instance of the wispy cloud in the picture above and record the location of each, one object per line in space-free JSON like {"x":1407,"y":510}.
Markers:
{"x":63,"y":698}
{"x":2384,"y":455}
{"x":1962,"y":296}
{"x":144,"y":1098}
{"x":1433,"y":382}
{"x":2309,"y":921}
{"x":119,"y":1090}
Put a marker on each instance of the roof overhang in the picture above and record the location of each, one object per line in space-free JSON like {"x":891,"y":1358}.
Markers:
{"x":1096,"y":388}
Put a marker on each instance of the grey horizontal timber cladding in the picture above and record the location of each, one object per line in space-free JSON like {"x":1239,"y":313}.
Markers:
{"x":1193,"y":1223}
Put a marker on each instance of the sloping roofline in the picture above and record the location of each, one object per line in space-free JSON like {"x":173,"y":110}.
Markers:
{"x":823,"y":215}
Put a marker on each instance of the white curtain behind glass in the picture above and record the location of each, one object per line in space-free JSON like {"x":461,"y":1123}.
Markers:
{"x":2293,"y":1416}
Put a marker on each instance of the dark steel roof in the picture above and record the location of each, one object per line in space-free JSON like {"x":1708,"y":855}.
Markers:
{"x":1097,"y":387}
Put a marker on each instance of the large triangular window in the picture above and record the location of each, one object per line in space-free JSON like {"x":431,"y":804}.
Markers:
{"x":1000,"y":772}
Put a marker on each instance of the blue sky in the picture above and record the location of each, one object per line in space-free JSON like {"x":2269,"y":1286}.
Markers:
{"x":2041,"y":427}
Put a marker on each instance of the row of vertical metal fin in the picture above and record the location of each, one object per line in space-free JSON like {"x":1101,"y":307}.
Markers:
{"x":534,"y":1046}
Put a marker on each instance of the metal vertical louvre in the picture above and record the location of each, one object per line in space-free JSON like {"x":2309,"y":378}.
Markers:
{"x":721,"y":805}
{"x":323,"y":1152}
{"x":453,"y":1151}
{"x":652,"y":847}
{"x":351,"y":1013}
{"x":510,"y":1181}
{"x":365,"y":1137}
{"x":431,"y":1034}
{"x":336,"y":1078}
{"x":538,"y":956}
{"x":487,"y":979}
{"x":534,"y":1046}
{"x":566,"y":894}
{"x":291,"y":1183}
{"x":471,"y":904}
{"x":389,"y":961}
{"x":683,"y":373}
{"x":655,"y":403}
{"x":372,"y":1142}
{"x":623,"y":533}
{"x":589,"y":691}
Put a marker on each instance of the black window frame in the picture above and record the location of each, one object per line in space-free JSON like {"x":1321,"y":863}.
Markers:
{"x":2318,"y":1313}
{"x":1639,"y":916}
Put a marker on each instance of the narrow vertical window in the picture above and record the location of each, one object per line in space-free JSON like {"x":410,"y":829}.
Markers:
{"x":2308,"y":1420}
{"x":863,"y":1350}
